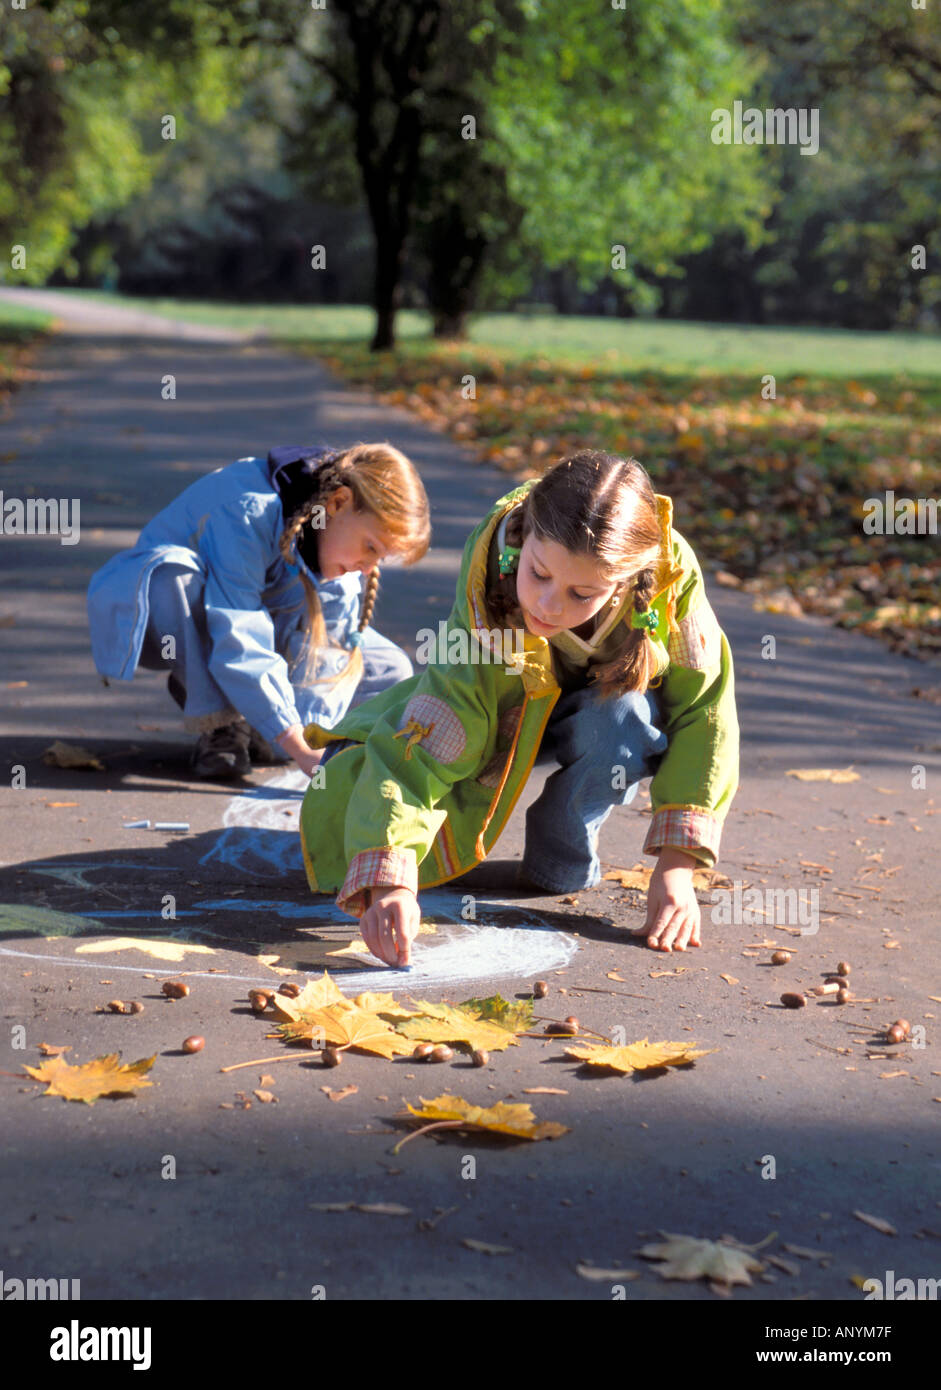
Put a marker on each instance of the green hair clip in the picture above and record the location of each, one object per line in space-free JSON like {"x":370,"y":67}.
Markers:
{"x":647,"y":619}
{"x":509,"y":558}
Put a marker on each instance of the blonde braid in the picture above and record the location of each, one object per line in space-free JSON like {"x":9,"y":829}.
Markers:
{"x":369,"y":598}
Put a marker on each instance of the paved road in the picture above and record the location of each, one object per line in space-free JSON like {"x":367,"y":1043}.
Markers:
{"x":680,"y":1151}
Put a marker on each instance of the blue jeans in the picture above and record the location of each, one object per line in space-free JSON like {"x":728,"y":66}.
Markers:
{"x":605,"y":748}
{"x":176,"y":607}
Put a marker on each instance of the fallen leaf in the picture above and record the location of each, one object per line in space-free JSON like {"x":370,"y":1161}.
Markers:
{"x":516,"y":1121}
{"x":61,"y":754}
{"x":638,"y":878}
{"x":331,"y":1094}
{"x":104,"y":1076}
{"x":877,"y":1223}
{"x":639,"y":1056}
{"x":266,"y":1097}
{"x":160,"y":950}
{"x":345,"y":1025}
{"x":49,"y":1050}
{"x":729,"y":979}
{"x":315,"y":995}
{"x":486,"y":1248}
{"x":662,"y":974}
{"x":823,"y":774}
{"x":613,"y":975}
{"x":686,"y":1257}
{"x":437,"y":1023}
{"x":603,"y":1276}
{"x":266,"y":1080}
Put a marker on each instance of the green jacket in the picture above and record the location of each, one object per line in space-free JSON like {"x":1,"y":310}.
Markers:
{"x":440,"y":759}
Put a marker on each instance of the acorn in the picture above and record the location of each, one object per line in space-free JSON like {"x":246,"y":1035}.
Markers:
{"x":793,"y":1001}
{"x":563,"y":1030}
{"x":135,"y":1007}
{"x":780,"y":957}
{"x":844,"y":996}
{"x":895,"y":1034}
{"x":175,"y":989}
{"x":480,"y":1057}
{"x":572,"y":1022}
{"x":330,"y":1057}
{"x":843,"y":967}
{"x":291,"y":990}
{"x":260,"y":999}
{"x":441,"y":1053}
{"x":904,"y":1024}
{"x":423,"y":1051}
{"x":540,"y":989}
{"x":194,"y":1044}
{"x":117,"y":1006}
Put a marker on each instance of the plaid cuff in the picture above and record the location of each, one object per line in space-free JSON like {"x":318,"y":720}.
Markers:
{"x":374,"y":868}
{"x":689,"y":828}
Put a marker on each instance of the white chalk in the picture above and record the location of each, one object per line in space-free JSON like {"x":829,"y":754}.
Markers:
{"x":171,"y":825}
{"x":137,"y":825}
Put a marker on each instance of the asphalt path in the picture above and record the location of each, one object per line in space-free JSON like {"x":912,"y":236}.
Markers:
{"x":849,"y":1121}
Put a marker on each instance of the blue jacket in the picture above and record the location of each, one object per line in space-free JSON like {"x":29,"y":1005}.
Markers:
{"x":226,"y":526}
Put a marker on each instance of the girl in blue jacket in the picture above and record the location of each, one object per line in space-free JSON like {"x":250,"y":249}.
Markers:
{"x":247,"y":590}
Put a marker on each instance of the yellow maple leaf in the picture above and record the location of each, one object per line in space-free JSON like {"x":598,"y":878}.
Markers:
{"x":517,"y":1121}
{"x":437,"y":1023}
{"x":383,"y":1004}
{"x":160,"y":950}
{"x":315,"y":995}
{"x":104,"y":1076}
{"x":687,"y":1257}
{"x":342,"y":1024}
{"x":639,"y":1056}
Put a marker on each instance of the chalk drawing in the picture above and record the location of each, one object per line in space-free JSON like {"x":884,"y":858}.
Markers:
{"x":260,"y":836}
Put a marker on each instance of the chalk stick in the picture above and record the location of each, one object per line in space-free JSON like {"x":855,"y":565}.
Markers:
{"x":137,"y":825}
{"x":171,"y":825}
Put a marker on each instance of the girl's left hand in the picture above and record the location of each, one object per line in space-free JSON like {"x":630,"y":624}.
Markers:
{"x":673,"y":918}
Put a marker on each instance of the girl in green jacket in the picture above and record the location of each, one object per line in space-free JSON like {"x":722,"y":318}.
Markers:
{"x":580,"y":634}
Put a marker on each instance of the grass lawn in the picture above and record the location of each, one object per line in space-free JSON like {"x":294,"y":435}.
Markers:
{"x":771,"y":492}
{"x":21,"y":331}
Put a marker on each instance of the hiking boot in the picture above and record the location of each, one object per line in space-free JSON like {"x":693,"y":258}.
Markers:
{"x":265,"y":753}
{"x":223,"y":753}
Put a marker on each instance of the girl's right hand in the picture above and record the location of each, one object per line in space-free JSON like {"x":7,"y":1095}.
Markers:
{"x":294,"y":743}
{"x":390,"y":923}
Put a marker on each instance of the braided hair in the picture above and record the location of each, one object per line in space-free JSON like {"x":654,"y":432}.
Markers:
{"x":382,"y":481}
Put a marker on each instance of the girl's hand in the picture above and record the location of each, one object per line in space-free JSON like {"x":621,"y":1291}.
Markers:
{"x":293,"y":742}
{"x":389,"y":923}
{"x":673,"y":917}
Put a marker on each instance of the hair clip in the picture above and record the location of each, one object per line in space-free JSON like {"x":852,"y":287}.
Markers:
{"x":356,"y":640}
{"x":509,"y":558}
{"x":647,"y":619}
